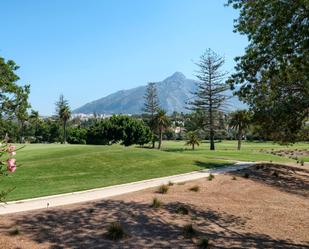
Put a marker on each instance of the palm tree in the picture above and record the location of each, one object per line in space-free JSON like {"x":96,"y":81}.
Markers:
{"x":192,"y":139}
{"x":162,"y":122}
{"x":34,"y":120}
{"x":64,"y":114}
{"x":240,"y":121}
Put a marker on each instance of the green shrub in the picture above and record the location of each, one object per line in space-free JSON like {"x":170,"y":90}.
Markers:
{"x":275,"y":174}
{"x":210,"y":177}
{"x":182,"y":210}
{"x":156,"y":203}
{"x":246,"y":175}
{"x":188,"y":231}
{"x":163,"y":189}
{"x":302,"y":162}
{"x":15,"y":231}
{"x":203,"y":243}
{"x":115,"y":231}
{"x":194,"y":188}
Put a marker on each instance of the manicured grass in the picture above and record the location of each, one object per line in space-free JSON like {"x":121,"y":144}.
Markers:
{"x":54,"y":169}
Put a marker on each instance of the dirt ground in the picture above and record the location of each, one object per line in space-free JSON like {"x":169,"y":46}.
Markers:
{"x":261,"y":207}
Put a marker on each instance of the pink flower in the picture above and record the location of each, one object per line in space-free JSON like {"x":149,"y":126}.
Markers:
{"x":13,"y":153}
{"x":11,"y":162}
{"x":12,"y":169}
{"x":11,"y":165}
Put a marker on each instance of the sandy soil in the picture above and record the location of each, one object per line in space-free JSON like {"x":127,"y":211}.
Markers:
{"x":269,"y":209}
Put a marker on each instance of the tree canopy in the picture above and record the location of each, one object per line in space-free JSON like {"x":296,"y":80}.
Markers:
{"x":274,"y":71}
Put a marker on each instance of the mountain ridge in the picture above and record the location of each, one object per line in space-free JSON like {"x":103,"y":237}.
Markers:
{"x":173,"y":93}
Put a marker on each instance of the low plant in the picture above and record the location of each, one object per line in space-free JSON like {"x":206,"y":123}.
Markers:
{"x":203,"y":243}
{"x":115,"y":231}
{"x":163,"y":189}
{"x":302,"y":162}
{"x":15,"y":231}
{"x":246,"y":175}
{"x":210,"y":177}
{"x":275,"y":174}
{"x":234,"y":178}
{"x":170,"y":183}
{"x":194,"y":188}
{"x":189,"y":231}
{"x":156,"y":203}
{"x":182,"y":210}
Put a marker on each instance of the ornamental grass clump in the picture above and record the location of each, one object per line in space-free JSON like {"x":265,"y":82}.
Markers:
{"x":115,"y":231}
{"x":156,"y":203}
{"x":189,"y":231}
{"x":194,"y":188}
{"x":163,"y":189}
{"x":203,"y":243}
{"x":182,"y":210}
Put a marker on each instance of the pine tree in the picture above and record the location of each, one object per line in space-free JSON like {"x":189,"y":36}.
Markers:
{"x":151,"y":106}
{"x":209,"y":96}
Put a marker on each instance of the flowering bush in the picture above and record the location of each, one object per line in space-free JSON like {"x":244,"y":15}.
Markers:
{"x":7,"y":164}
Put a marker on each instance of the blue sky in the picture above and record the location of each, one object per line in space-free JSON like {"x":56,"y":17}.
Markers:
{"x":87,"y":49}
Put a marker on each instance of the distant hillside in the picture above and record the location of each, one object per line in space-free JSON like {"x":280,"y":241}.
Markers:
{"x":173,"y":93}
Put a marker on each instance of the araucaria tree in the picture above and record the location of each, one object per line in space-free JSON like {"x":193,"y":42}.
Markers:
{"x":63,"y":112}
{"x":209,"y":98}
{"x":274,"y":71}
{"x":151,"y":106}
{"x":240,"y":121}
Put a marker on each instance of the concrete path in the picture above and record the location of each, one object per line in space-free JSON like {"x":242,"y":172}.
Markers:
{"x":101,"y":193}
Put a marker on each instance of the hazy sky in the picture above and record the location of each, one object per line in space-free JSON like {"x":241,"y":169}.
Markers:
{"x":87,"y":49}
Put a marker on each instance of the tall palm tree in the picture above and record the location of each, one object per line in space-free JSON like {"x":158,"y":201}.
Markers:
{"x":162,"y":122}
{"x":193,"y":139}
{"x":34,"y":120}
{"x":64,"y":113}
{"x":240,"y":121}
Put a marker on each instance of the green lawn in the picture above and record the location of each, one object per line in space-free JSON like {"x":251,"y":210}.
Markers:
{"x":53,"y":169}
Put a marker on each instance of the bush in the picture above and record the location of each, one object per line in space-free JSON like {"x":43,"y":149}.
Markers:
{"x":118,"y":128}
{"x":210,"y":177}
{"x":182,"y":210}
{"x":188,"y":231}
{"x":302,"y":162}
{"x":275,"y":174}
{"x":234,"y":178}
{"x":246,"y":175}
{"x":203,"y":243}
{"x":194,"y":188}
{"x":170,"y":183}
{"x":163,"y":189}
{"x":77,"y":135}
{"x":15,"y":231}
{"x":115,"y":231}
{"x":156,"y":203}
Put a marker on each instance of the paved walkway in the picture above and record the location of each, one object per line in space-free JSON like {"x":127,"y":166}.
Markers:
{"x":101,"y":193}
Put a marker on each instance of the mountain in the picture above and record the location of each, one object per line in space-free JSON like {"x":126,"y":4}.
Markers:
{"x":173,"y":93}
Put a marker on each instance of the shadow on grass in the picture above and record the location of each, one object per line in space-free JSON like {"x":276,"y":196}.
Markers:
{"x":85,"y":227}
{"x":283,"y":177}
{"x":211,"y":165}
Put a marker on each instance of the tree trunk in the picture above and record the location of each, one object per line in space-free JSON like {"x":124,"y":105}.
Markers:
{"x":153,"y":143}
{"x":239,"y":141}
{"x":160,"y":138}
{"x":211,"y":128}
{"x":192,"y":146}
{"x":64,"y":132}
